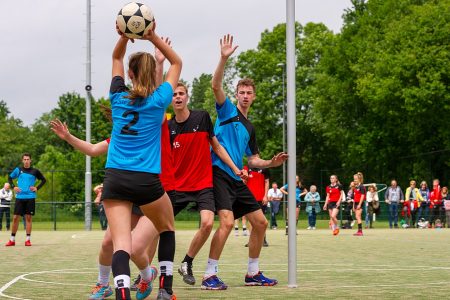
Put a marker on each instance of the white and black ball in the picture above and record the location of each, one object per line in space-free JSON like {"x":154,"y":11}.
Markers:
{"x":135,"y":19}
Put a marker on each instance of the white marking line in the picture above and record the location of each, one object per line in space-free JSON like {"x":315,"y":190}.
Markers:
{"x":14,"y":280}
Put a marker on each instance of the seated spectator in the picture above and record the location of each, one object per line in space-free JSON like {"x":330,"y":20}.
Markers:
{"x":312,"y":199}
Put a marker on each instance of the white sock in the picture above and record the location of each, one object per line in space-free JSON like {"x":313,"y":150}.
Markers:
{"x":12,"y":238}
{"x":166,"y":268}
{"x":212,"y":268}
{"x":28,"y":238}
{"x":253,"y":266}
{"x":124,"y":281}
{"x":146,"y":274}
{"x":103,"y":274}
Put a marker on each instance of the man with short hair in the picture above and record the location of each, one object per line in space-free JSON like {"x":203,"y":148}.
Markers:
{"x":393,"y":196}
{"x":5,"y":204}
{"x":25,"y":196}
{"x":275,"y":196}
{"x":233,"y":198}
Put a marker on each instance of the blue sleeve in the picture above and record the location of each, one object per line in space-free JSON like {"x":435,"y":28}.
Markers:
{"x":285,"y":187}
{"x":14,"y":174}
{"x":226,"y":110}
{"x":163,"y":95}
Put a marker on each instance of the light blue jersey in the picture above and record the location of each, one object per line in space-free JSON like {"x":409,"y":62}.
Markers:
{"x":136,"y":134}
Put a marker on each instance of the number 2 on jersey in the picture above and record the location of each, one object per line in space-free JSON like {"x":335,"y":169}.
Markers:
{"x":126,"y":129}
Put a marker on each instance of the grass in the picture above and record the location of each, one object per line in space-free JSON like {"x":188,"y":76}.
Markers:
{"x":384,"y":264}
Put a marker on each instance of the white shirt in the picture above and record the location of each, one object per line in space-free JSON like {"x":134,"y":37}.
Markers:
{"x":6,"y":195}
{"x":275,"y":194}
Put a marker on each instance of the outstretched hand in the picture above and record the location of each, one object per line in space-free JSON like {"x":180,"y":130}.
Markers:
{"x":226,"y":46}
{"x":60,"y":129}
{"x":159,"y":56}
{"x":278,"y":159}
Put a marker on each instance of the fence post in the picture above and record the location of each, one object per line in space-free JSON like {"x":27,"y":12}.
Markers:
{"x":54,"y":215}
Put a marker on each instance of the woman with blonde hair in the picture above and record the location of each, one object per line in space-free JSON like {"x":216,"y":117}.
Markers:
{"x":359,"y":197}
{"x":373,"y":203}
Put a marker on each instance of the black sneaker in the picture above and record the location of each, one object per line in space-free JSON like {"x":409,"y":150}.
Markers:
{"x":265,"y":244}
{"x":185,"y":270}
{"x":164,"y":295}
{"x":135,"y":283}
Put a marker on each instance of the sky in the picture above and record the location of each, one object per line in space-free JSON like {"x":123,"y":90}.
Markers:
{"x":43,"y":47}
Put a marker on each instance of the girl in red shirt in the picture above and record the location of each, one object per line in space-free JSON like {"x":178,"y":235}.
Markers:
{"x":332,"y":202}
{"x":359,"y":197}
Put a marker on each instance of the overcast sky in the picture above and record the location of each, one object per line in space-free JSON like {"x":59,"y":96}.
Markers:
{"x":43,"y":47}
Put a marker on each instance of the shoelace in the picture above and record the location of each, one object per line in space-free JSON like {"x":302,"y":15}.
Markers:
{"x":143,"y":286}
{"x":96,"y":288}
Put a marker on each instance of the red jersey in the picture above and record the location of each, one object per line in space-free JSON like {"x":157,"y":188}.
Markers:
{"x":359,"y":192}
{"x":435,"y":196}
{"x":257,"y":182}
{"x":334,"y":192}
{"x":167,"y":175}
{"x":191,"y":151}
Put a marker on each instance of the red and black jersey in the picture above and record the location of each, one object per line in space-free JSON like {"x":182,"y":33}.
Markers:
{"x":167,"y":172}
{"x":334,"y":192}
{"x":359,"y":192}
{"x":191,"y":151}
{"x":256,"y":182}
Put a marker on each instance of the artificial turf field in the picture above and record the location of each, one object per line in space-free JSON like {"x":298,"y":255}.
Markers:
{"x":383,"y":264}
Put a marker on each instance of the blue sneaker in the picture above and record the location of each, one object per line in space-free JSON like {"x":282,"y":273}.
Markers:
{"x":259,"y":280}
{"x":100,"y":292}
{"x":144,"y":288}
{"x":213,"y":283}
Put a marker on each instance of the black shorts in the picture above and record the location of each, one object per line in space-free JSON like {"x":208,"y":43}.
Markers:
{"x":204,"y":199}
{"x":263,"y":207}
{"x":355,"y":205}
{"x":233,"y":195}
{"x":25,"y":207}
{"x":135,"y":210}
{"x":332,"y":205}
{"x":139,"y":188}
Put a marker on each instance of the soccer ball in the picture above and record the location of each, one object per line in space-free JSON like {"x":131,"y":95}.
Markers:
{"x":135,"y":19}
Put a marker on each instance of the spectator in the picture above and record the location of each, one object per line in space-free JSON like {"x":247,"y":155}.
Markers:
{"x":373,"y":203}
{"x":312,"y":199}
{"x":446,"y":199}
{"x":101,"y":210}
{"x":413,"y":200}
{"x":424,"y":208}
{"x":393,"y":197}
{"x":5,"y":205}
{"x":348,"y":207}
{"x":275,"y":196}
{"x":299,"y":192}
{"x":436,"y":203}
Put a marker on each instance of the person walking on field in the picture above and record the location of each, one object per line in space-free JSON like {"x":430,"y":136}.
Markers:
{"x":25,"y":196}
{"x":335,"y":194}
{"x":5,"y":205}
{"x":233,"y":198}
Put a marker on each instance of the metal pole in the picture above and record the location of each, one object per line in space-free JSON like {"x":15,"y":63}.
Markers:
{"x":88,"y":174}
{"x":283,"y":68}
{"x":291,"y":132}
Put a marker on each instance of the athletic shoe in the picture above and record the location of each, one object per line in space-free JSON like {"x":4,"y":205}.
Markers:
{"x":28,"y":243}
{"x":164,"y":295}
{"x":309,"y":228}
{"x":259,"y":280}
{"x":185,"y":270}
{"x":213,"y":283}
{"x":245,"y":232}
{"x":314,"y":228}
{"x":135,"y":283}
{"x":336,"y":231}
{"x":10,"y":243}
{"x":265,"y":244}
{"x":236,"y":232}
{"x":352,"y":223}
{"x":246,"y":245}
{"x":358,"y":233}
{"x":100,"y":291}
{"x":274,"y":227}
{"x":144,"y":288}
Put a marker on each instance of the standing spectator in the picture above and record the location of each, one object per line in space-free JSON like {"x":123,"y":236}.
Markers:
{"x":413,"y":200}
{"x":275,"y":196}
{"x":443,"y":211}
{"x":424,"y":209}
{"x":299,"y":192}
{"x":258,"y":184}
{"x":393,"y":197}
{"x":373,"y":203}
{"x":435,"y":203}
{"x":25,"y":196}
{"x":334,"y":197}
{"x":359,"y":197}
{"x":5,"y":205}
{"x":101,"y":210}
{"x":446,"y":199}
{"x":348,"y":207}
{"x":312,"y":199}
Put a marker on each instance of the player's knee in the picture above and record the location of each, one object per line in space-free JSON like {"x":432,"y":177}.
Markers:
{"x":260,"y":224}
{"x":107,"y":244}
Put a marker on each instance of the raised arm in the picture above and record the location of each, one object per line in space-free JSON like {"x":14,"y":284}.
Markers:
{"x":62,"y":131}
{"x":255,"y":161}
{"x":160,"y":58}
{"x":118,"y":55}
{"x":226,"y":50}
{"x":173,"y":74}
